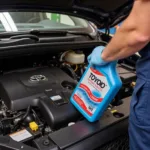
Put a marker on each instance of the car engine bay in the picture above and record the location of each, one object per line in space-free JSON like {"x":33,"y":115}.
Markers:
{"x":35,"y":92}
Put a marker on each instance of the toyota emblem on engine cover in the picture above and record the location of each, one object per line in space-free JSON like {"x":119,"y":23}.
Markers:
{"x":38,"y":78}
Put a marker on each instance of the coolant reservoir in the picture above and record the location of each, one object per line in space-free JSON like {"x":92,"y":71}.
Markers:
{"x":75,"y":57}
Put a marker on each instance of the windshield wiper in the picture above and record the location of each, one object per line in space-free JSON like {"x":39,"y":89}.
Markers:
{"x":34,"y":34}
{"x":60,"y":32}
{"x":81,"y":33}
{"x":29,"y":36}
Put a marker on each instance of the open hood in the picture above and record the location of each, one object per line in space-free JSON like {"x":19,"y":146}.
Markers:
{"x":104,"y":13}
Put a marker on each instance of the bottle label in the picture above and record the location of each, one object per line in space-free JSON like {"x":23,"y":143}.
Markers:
{"x":91,"y":91}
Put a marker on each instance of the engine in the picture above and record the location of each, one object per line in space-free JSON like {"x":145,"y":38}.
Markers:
{"x":35,"y":101}
{"x":48,"y":89}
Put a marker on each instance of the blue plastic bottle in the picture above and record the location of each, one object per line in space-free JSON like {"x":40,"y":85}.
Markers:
{"x":96,"y":89}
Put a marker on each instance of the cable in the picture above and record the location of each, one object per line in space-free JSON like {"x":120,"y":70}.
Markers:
{"x":11,"y":118}
{"x":107,"y":30}
{"x":76,"y":68}
{"x":36,"y":116}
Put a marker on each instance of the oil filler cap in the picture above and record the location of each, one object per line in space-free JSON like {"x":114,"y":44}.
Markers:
{"x":33,"y":126}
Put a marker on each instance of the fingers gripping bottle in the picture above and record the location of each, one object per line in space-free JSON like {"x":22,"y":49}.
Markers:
{"x":96,"y":89}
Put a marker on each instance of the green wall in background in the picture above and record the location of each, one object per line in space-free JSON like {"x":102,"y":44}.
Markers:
{"x":55,"y":17}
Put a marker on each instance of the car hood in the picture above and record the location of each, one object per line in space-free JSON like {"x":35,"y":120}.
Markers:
{"x":104,"y":13}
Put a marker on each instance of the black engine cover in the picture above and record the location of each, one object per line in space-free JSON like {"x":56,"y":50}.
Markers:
{"x":47,"y":88}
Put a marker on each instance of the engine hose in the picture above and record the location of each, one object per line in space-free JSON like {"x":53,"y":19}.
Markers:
{"x":71,"y":71}
{"x":36,"y":116}
{"x":24,"y":116}
{"x":27,"y":113}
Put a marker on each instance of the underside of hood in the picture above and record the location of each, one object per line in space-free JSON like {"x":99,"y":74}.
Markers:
{"x":105,"y":13}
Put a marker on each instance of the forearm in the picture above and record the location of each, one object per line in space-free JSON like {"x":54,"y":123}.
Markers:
{"x":123,"y":44}
{"x":129,"y":39}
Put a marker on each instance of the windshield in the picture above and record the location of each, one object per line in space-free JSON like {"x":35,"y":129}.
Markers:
{"x":23,"y":21}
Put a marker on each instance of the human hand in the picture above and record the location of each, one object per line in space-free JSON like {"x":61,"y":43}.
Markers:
{"x":95,"y":57}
